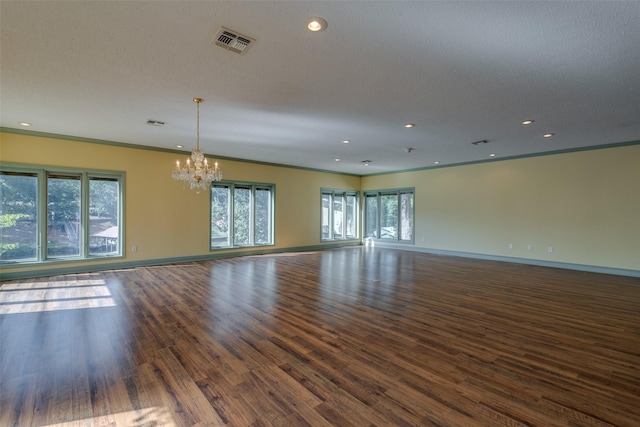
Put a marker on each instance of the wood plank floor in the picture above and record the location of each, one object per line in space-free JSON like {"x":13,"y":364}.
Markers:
{"x":345,"y":337}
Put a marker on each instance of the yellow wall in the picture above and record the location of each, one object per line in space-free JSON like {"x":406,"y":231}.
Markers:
{"x":164,"y":219}
{"x":585,"y":205}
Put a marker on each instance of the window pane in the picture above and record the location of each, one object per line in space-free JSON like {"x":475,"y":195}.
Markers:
{"x":242,"y":216}
{"x":63,"y":216}
{"x":389,"y":216}
{"x":263,"y":216}
{"x":371,"y":210}
{"x":18,"y":217}
{"x":104,"y":223}
{"x":351,"y":216}
{"x":326,"y":216}
{"x":338,"y":202}
{"x":406,"y":216}
{"x":220,"y":216}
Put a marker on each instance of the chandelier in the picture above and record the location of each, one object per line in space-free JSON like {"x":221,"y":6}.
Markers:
{"x":197,"y":171}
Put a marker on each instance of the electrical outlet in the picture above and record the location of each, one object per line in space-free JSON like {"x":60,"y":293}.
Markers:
{"x":529,"y":248}
{"x":550,"y":249}
{"x":510,"y":245}
{"x":134,"y":248}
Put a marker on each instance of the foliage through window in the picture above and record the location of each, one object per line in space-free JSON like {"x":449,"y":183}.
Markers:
{"x":389,"y":215}
{"x":48,"y":214}
{"x":241,"y":214}
{"x":339,"y":216}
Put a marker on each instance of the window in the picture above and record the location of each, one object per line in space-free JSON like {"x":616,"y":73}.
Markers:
{"x":388,"y":215}
{"x":63,"y":215}
{"x":104,"y":209}
{"x":55,"y":214}
{"x":339,"y":217}
{"x":19,"y":217}
{"x":241,"y":214}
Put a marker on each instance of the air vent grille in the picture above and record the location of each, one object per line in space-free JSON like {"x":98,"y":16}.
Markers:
{"x":233,"y":40}
{"x":482,"y":141}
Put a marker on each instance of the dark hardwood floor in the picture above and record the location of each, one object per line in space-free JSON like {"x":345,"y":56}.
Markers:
{"x":344,"y":337}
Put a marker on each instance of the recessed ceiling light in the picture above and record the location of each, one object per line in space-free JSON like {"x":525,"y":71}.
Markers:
{"x":346,"y":141}
{"x":492,"y":155}
{"x":25,"y":124}
{"x":316,"y":24}
{"x":337,"y":160}
{"x":527,"y":122}
{"x":409,"y":125}
{"x":436,"y":163}
{"x":548,"y":135}
{"x":366,"y":162}
{"x":179,"y":146}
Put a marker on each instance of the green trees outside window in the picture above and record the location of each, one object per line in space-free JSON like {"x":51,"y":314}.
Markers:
{"x":59,"y":214}
{"x":389,"y":215}
{"x":241,"y":214}
{"x":63,"y":216}
{"x":18,"y":217}
{"x":104,"y":208}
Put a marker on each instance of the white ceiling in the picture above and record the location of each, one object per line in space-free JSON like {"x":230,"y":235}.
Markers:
{"x":461,"y":71}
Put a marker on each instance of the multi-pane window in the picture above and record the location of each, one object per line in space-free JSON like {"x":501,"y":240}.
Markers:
{"x":241,"y":214}
{"x":59,"y":214}
{"x":388,"y":215}
{"x":339,"y":215}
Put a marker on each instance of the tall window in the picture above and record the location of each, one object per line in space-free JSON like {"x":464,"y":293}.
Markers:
{"x":388,"y":215}
{"x":49,"y":214}
{"x":63,"y":215}
{"x":339,"y":216}
{"x":19,"y":231}
{"x":104,"y":215}
{"x":241,"y":214}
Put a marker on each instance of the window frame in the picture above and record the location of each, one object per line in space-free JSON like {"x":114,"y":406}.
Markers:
{"x":254,"y":188}
{"x":332,"y":194}
{"x":42,"y":174}
{"x":378,"y":194}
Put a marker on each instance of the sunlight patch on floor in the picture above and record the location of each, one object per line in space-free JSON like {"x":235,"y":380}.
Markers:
{"x":154,"y":416}
{"x":53,"y":296}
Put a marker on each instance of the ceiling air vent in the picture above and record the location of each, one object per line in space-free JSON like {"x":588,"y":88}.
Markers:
{"x":156,"y":123}
{"x":482,"y":141}
{"x":233,"y":40}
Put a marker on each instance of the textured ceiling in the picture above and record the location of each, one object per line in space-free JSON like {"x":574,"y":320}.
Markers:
{"x":461,"y":71}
